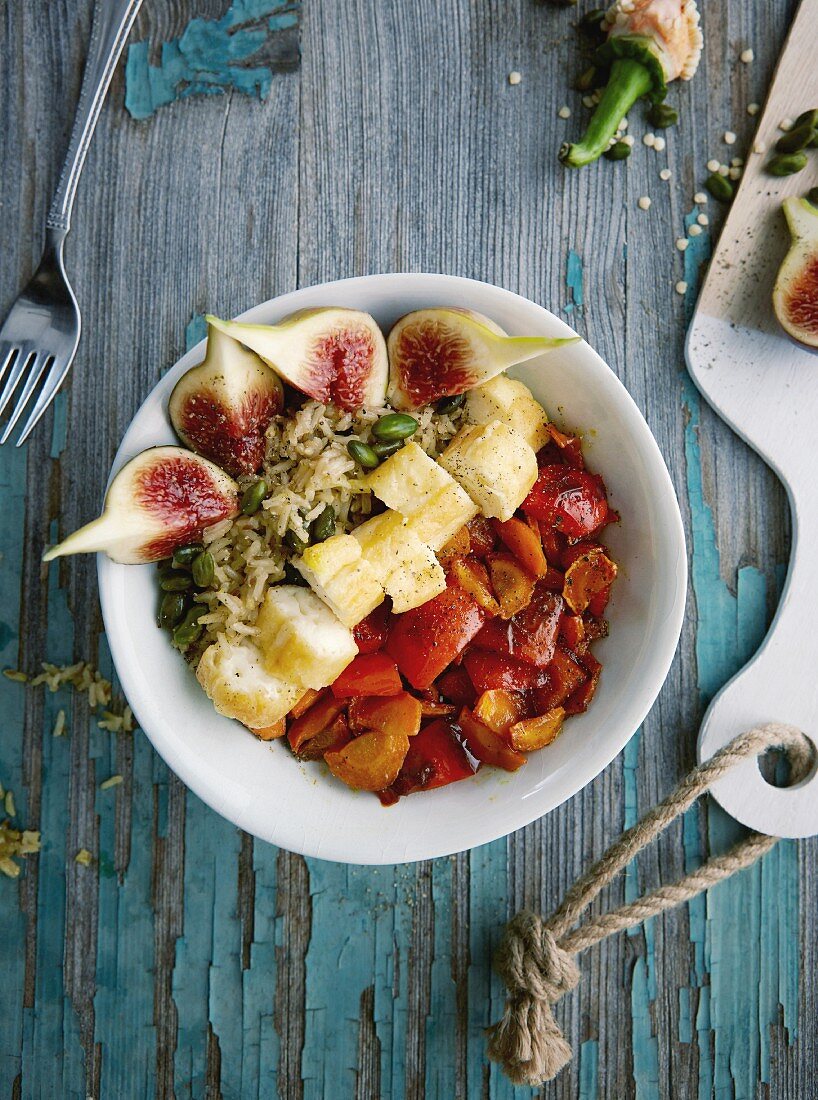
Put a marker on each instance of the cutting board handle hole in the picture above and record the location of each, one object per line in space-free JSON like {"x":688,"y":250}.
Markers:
{"x":776,"y":767}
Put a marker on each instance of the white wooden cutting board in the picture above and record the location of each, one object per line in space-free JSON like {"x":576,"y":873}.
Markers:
{"x":766,"y":388}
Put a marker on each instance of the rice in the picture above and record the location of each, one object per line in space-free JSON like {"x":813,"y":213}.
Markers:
{"x":309,"y":467}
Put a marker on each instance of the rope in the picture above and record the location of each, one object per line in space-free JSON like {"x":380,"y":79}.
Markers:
{"x":536,"y":957}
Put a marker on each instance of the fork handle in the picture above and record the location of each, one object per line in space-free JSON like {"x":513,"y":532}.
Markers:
{"x":112,"y":23}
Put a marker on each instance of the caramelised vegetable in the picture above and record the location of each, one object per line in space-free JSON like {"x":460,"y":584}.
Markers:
{"x":159,"y":501}
{"x":795,"y":295}
{"x":336,"y":356}
{"x":651,"y":43}
{"x":222,"y":408}
{"x":439,"y":353}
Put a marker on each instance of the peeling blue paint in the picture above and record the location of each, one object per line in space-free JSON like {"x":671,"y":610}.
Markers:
{"x":195,"y":330}
{"x":589,"y":1070}
{"x":573,"y":280}
{"x":59,"y":429}
{"x":210,"y":57}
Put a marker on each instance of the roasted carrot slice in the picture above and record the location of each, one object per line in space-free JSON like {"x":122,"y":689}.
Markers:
{"x":586,"y":577}
{"x":270,"y":733}
{"x":370,"y":762}
{"x":401,"y":713}
{"x":312,"y":722}
{"x":486,"y":745}
{"x":333,"y":738}
{"x":531,"y":734}
{"x":513,"y":585}
{"x":472,"y":575}
{"x":572,"y":628}
{"x":499,"y":709}
{"x":309,"y":697}
{"x":525,"y":544}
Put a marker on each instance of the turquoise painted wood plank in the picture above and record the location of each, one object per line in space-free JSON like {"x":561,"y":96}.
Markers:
{"x":12,"y":700}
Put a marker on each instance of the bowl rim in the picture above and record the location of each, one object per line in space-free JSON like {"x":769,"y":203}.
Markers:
{"x":587,"y":766}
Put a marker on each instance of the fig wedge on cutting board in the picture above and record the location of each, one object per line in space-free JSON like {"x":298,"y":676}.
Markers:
{"x":795,"y":295}
{"x":336,"y":356}
{"x":162,"y":499}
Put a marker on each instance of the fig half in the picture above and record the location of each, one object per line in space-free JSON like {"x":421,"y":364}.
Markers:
{"x":795,"y":294}
{"x":336,"y":356}
{"x":222,"y":408}
{"x":162,"y":499}
{"x":443,"y":352}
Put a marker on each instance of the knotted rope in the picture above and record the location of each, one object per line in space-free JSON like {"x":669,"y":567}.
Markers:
{"x":536,"y":956}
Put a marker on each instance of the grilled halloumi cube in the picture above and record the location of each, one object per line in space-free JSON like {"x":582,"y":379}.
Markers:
{"x":405,"y":566}
{"x":412,"y":483}
{"x":417,"y":578}
{"x":494,"y":465}
{"x":408,"y":480}
{"x":235,"y":679}
{"x":300,"y":639}
{"x":337,"y":573}
{"x":443,"y":516}
{"x":505,"y":399}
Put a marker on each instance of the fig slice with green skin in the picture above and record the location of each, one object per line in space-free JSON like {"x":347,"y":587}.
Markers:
{"x":160,"y":500}
{"x":435,"y":353}
{"x":795,"y":294}
{"x":336,"y":356}
{"x":222,"y":408}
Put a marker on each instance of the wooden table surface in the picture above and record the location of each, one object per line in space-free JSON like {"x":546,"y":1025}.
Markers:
{"x":354,"y":137}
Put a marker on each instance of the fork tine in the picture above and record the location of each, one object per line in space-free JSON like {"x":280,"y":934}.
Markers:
{"x":7,"y":353}
{"x":35,"y":372}
{"x":47,"y":393}
{"x":14,"y":377}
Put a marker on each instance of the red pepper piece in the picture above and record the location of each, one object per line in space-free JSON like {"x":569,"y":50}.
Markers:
{"x":368,"y":674}
{"x":435,"y":758}
{"x":531,"y":635}
{"x":425,"y":640}
{"x":370,"y":633}
{"x":489,"y":670}
{"x":570,"y":501}
{"x":456,"y":687}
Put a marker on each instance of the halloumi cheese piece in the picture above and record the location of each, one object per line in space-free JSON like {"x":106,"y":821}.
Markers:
{"x":418,"y":577}
{"x":408,"y":480}
{"x":505,"y":399}
{"x":337,"y":573}
{"x":412,"y":483}
{"x":235,"y":679}
{"x":495,"y":466}
{"x":443,"y":516}
{"x":300,"y":639}
{"x":405,"y":566}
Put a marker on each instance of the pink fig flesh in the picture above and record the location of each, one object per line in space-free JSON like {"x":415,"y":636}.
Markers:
{"x":160,"y":500}
{"x":335,"y":356}
{"x":443,"y":352}
{"x":433,"y":360}
{"x":339,"y":366}
{"x":801,"y":303}
{"x":182,"y":495}
{"x":222,"y":408}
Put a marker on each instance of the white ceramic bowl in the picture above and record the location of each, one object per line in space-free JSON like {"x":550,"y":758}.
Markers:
{"x":261,"y":787}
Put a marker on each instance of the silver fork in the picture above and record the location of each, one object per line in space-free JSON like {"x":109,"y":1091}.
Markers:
{"x":39,"y":338}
